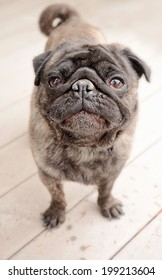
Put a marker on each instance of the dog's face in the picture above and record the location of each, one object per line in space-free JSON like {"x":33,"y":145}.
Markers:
{"x":88,"y":94}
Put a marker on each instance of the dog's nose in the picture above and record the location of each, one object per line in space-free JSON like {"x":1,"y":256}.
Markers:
{"x":83,"y":87}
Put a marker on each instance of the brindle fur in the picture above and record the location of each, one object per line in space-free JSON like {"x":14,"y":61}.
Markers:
{"x":92,"y":153}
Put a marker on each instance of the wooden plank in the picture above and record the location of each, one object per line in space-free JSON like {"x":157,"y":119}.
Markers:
{"x":148,"y":89}
{"x":20,"y":212}
{"x":148,"y":125}
{"x":88,"y":235}
{"x":16,"y":164}
{"x":17,"y":82}
{"x":14,"y":121}
{"x":146,"y":245}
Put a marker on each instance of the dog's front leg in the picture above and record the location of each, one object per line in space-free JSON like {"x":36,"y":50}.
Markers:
{"x":110,"y":206}
{"x":55,"y":214}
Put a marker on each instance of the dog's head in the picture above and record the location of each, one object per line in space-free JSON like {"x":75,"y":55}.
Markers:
{"x":88,"y":94}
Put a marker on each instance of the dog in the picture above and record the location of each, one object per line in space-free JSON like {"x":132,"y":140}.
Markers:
{"x":83,"y":109}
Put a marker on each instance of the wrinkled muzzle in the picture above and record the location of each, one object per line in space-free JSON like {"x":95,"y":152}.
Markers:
{"x":88,"y":105}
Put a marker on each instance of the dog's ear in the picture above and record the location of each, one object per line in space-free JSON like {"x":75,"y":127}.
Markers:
{"x":38,"y":64}
{"x":138,"y":64}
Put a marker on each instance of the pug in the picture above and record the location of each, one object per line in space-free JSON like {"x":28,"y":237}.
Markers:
{"x":83,"y":110}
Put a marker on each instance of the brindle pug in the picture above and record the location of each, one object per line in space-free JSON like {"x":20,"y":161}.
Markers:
{"x":83,"y":110}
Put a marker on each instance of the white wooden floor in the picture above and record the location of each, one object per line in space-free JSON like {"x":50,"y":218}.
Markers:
{"x":85,"y":234}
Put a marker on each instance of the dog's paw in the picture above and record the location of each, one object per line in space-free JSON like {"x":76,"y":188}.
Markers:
{"x":112,"y":209}
{"x":53,"y":217}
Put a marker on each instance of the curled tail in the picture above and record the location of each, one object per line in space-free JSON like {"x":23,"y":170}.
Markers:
{"x":62,"y":12}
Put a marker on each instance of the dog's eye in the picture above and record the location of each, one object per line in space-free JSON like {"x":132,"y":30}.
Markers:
{"x":53,"y":82}
{"x":116,"y":83}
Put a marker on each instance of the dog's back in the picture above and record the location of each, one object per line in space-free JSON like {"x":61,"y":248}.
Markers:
{"x":62,"y":24}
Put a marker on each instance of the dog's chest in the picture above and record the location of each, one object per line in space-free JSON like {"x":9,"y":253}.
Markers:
{"x":85,"y":165}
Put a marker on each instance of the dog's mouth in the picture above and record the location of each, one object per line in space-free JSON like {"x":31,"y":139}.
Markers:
{"x":85,"y":123}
